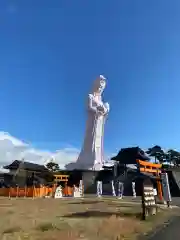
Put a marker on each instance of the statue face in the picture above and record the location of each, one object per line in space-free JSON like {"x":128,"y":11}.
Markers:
{"x":100,"y":85}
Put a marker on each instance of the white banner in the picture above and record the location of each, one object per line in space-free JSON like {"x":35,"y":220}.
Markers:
{"x":165,"y":186}
{"x":58,"y":192}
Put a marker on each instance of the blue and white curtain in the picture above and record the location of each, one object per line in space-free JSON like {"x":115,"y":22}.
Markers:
{"x":134,"y":189}
{"x":113,"y":189}
{"x":120,"y":189}
{"x":99,"y":188}
{"x":81,"y":190}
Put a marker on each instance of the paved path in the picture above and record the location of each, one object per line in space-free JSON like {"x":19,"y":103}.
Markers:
{"x":169,"y":231}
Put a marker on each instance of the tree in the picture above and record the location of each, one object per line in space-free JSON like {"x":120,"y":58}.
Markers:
{"x":173,"y":156}
{"x":52,"y":166}
{"x":157,"y":153}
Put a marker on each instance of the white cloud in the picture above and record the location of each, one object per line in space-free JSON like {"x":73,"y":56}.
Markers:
{"x":12,"y":149}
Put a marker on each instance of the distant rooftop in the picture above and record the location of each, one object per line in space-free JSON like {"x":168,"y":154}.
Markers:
{"x":26,"y":166}
{"x":130,"y":155}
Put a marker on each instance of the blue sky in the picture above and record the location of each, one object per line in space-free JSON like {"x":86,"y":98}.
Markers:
{"x":51,"y":51}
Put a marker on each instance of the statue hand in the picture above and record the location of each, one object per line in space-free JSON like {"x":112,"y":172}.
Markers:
{"x":106,"y":106}
{"x":100,"y":108}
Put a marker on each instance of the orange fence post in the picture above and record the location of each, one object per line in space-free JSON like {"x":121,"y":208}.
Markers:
{"x":25,"y":192}
{"x":44,"y":191}
{"x":33,"y":192}
{"x":17,"y":191}
{"x":9,"y":192}
{"x":66,"y":190}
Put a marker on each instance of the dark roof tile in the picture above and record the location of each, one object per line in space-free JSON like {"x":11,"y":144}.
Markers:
{"x":130,"y":155}
{"x":26,"y":165}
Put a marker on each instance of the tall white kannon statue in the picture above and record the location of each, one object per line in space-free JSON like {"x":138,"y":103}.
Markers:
{"x":91,"y":156}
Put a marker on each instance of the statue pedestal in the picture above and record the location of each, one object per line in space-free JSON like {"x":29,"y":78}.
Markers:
{"x":84,"y":167}
{"x":89,"y":181}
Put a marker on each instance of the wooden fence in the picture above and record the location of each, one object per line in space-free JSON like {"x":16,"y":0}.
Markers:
{"x":33,"y":191}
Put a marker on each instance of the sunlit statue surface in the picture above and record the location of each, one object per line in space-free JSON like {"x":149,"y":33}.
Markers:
{"x":91,"y":156}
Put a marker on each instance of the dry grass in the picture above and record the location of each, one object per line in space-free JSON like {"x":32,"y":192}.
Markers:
{"x":54,"y":219}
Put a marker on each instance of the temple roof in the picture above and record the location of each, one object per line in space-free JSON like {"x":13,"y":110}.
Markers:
{"x":27,"y":166}
{"x":130,"y":155}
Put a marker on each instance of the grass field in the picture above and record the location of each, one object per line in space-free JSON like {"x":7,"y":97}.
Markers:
{"x":88,"y":219}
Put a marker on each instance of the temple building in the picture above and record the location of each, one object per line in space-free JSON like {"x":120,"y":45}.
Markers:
{"x":25,"y":166}
{"x":26,"y":173}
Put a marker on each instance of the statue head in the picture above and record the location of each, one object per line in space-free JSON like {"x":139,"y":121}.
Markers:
{"x":99,"y":85}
